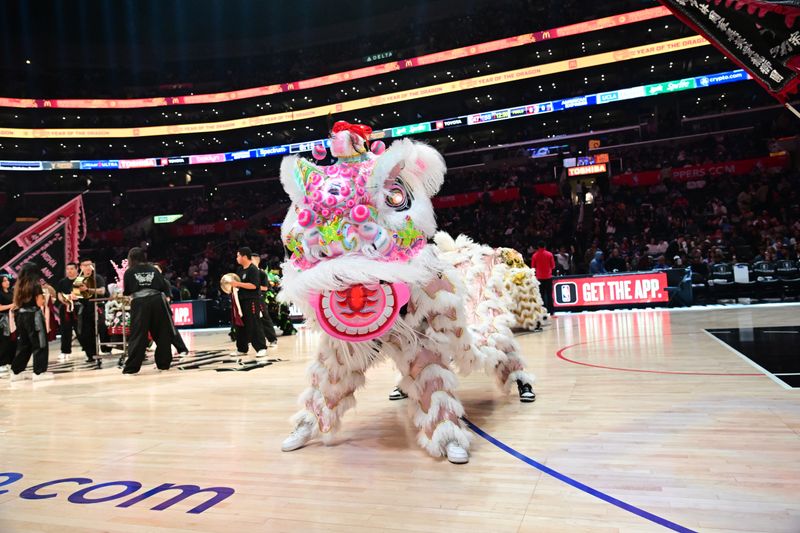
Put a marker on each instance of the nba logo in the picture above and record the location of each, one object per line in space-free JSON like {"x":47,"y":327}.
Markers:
{"x":566,"y":293}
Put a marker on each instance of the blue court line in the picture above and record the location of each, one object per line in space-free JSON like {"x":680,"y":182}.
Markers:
{"x":577,"y":484}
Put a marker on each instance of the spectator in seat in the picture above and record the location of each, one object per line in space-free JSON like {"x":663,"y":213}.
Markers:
{"x":697,"y":264}
{"x":597,"y":266}
{"x":563,"y":261}
{"x":616,"y":263}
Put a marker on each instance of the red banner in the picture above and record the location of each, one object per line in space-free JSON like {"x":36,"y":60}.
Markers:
{"x":460,"y":200}
{"x":600,"y":291}
{"x":72,"y":215}
{"x":52,"y":240}
{"x":546,"y":189}
{"x":192,"y":230}
{"x":696,"y":172}
{"x":47,"y":252}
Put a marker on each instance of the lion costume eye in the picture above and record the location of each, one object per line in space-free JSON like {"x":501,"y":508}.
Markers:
{"x":399,"y":198}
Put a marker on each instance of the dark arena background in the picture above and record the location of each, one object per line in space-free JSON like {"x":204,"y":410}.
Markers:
{"x":629,"y":171}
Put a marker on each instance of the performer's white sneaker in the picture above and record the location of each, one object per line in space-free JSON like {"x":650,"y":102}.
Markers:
{"x":44,"y":376}
{"x":238,"y":354}
{"x":22,"y":376}
{"x":261,"y":353}
{"x":63,"y":357}
{"x":297,"y":439}
{"x":456,"y":454}
{"x":5,"y":370}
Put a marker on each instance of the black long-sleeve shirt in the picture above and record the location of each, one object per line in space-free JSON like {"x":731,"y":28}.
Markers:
{"x":144,"y":276}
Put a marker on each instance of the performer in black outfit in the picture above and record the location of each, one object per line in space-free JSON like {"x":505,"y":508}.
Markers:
{"x":71,"y":307}
{"x":149,"y":312}
{"x":249,"y":294}
{"x":266,"y":319}
{"x":177,"y":340}
{"x":94,"y":286}
{"x":7,"y":345}
{"x":31,"y":329}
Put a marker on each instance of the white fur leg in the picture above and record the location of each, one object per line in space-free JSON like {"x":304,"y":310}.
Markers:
{"x":334,"y":381}
{"x":444,"y":433}
{"x":436,"y":412}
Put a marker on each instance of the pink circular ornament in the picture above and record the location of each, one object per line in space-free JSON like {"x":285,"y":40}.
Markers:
{"x":305,"y":218}
{"x":319,"y":152}
{"x":378,"y":147}
{"x":360,"y":213}
{"x":330,"y":201}
{"x":326,"y":213}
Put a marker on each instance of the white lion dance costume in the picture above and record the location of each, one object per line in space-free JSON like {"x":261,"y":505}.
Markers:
{"x":362,"y":271}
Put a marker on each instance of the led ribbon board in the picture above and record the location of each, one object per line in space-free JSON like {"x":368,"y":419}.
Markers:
{"x":488,"y":80}
{"x":526,"y":110}
{"x":366,"y":72}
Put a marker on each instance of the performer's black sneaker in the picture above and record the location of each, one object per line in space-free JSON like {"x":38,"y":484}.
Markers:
{"x":526,"y":394}
{"x":398,"y":394}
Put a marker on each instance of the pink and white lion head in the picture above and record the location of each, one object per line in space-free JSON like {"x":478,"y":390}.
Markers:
{"x":356,"y":229}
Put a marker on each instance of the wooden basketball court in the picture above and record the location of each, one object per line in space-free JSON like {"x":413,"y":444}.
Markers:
{"x":643,"y":422}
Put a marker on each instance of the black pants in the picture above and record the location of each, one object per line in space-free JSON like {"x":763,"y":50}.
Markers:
{"x":69,"y":323}
{"x":149,"y":314}
{"x":7,"y":349}
{"x":31,"y":340}
{"x":87,"y":332}
{"x":266,"y":323}
{"x":546,"y":290}
{"x":177,"y":342}
{"x":253,"y":330}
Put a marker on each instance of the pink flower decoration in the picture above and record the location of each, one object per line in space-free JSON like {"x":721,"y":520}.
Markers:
{"x":360,"y":213}
{"x":305,"y":218}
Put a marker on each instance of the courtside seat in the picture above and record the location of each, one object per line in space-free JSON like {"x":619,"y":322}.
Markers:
{"x":788,"y":272}
{"x":699,"y":287}
{"x":766,"y":277}
{"x":745,"y":287}
{"x":720,"y":282}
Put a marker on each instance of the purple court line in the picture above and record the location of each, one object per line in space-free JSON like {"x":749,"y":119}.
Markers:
{"x":578,"y":485}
